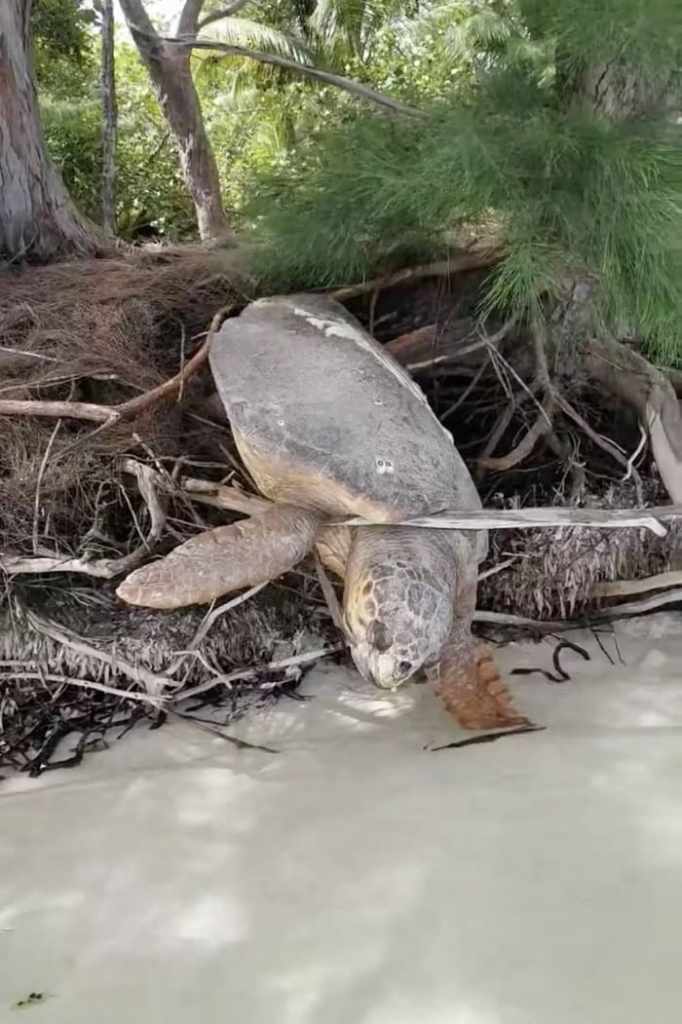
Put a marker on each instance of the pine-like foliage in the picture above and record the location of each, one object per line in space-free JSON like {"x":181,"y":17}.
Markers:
{"x":565,"y":191}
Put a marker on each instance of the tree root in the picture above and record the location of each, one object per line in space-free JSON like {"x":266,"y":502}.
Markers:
{"x":474,"y":259}
{"x":523,"y":449}
{"x":631,"y":378}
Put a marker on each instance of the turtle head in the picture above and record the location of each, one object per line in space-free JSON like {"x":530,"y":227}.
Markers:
{"x":397,"y":625}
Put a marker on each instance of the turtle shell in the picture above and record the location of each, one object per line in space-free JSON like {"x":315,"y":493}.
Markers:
{"x":326,"y":419}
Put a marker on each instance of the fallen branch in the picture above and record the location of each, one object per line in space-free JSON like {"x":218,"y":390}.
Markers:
{"x":649,"y":604}
{"x":220,"y":495}
{"x":618,"y":611}
{"x":86,"y":684}
{"x":484,"y":519}
{"x":474,"y":259}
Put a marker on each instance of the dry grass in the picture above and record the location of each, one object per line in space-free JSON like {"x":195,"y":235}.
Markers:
{"x":554,"y":571}
{"x":98,"y":331}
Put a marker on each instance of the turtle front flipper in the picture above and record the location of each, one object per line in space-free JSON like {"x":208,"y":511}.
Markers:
{"x":471,"y":689}
{"x":227,"y":558}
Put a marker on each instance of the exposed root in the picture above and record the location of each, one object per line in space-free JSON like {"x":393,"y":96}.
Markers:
{"x":525,"y":446}
{"x":628,"y":376}
{"x":474,"y":259}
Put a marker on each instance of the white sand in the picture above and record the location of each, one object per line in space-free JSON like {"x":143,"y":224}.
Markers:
{"x":356,"y":877}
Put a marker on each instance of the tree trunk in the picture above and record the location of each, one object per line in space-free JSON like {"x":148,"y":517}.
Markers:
{"x":37,"y":218}
{"x":170,"y":72}
{"x":620,"y":92}
{"x":109,"y":119}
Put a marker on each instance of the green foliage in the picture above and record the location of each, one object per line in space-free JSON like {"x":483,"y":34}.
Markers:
{"x":72,"y":135}
{"x":150,"y":192}
{"x":643,"y":32}
{"x":564,"y":192}
{"x":151,"y":196}
{"x":62,"y":44}
{"x":329,"y":191}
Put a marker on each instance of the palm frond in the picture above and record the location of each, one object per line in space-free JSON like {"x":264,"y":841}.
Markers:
{"x":253,"y":34}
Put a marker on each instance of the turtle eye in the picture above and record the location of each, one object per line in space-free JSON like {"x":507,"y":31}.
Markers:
{"x":404,"y":667}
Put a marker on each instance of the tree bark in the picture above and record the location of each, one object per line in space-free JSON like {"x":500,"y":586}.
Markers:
{"x":170,"y":72}
{"x":621,"y":92}
{"x":37,"y":217}
{"x":109,"y":119}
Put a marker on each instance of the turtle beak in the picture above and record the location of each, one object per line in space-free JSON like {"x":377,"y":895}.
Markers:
{"x":380,"y":667}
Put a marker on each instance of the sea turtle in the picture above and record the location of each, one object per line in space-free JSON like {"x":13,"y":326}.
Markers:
{"x":330,"y":426}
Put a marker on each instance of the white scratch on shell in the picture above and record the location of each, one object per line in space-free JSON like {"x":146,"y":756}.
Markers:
{"x":341,"y":329}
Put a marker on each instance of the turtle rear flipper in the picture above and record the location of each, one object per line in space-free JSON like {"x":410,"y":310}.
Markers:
{"x":227,"y":558}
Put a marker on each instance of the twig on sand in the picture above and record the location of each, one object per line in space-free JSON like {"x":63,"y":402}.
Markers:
{"x":215,"y":730}
{"x":488,"y":737}
{"x":87,"y":684}
{"x":253,"y":673}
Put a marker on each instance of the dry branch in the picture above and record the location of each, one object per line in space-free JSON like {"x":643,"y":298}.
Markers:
{"x":474,"y":259}
{"x":219,"y":495}
{"x":253,"y":673}
{"x":152,"y":682}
